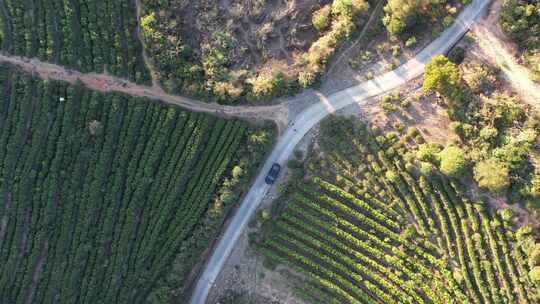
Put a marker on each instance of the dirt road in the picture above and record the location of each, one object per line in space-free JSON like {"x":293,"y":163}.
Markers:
{"x":107,"y":83}
{"x":496,"y":48}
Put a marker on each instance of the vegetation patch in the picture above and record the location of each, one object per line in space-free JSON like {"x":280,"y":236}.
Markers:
{"x":406,"y":18}
{"x":497,"y":132}
{"x":520,"y":20}
{"x":108,"y":198}
{"x":367,"y":224}
{"x":245,"y":50}
{"x":90,"y":36}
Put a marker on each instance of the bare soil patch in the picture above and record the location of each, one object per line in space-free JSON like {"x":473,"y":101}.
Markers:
{"x":422,"y":113}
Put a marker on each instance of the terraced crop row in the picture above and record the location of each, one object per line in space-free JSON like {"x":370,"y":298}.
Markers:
{"x":100,"y":192}
{"x":429,"y":244}
{"x":87,"y":35}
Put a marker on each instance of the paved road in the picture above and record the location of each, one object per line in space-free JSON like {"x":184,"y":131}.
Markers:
{"x":309,"y":117}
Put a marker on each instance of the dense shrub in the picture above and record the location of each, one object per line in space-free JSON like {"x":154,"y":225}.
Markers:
{"x":401,"y":15}
{"x":521,"y":20}
{"x":457,"y":55}
{"x":406,"y":17}
{"x":321,"y":18}
{"x":349,"y":7}
{"x":441,"y":75}
{"x":498,"y":133}
{"x":453,"y":162}
{"x":262,"y":86}
{"x":337,"y":133}
{"x":492,"y":175}
{"x":210,"y":65}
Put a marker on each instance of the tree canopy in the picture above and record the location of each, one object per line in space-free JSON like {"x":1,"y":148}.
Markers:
{"x":428,"y":152}
{"x":534,"y":274}
{"x":453,"y":162}
{"x":521,"y":21}
{"x":349,"y":7}
{"x":492,"y":175}
{"x":401,"y":14}
{"x":441,"y":76}
{"x":321,"y":18}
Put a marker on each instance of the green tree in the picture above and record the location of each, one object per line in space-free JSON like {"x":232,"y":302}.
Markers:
{"x":349,"y":7}
{"x":492,"y":175}
{"x":228,"y":197}
{"x":426,"y":168}
{"x":488,"y":134}
{"x":503,"y":110}
{"x":306,"y":78}
{"x":453,"y":162}
{"x":238,"y":173}
{"x":401,"y":15}
{"x":147,"y":27}
{"x":534,"y":257}
{"x":506,"y":214}
{"x":321,"y":18}
{"x":533,"y":188}
{"x":520,"y":19}
{"x":391,"y":176}
{"x":534,"y":274}
{"x":428,"y":152}
{"x":441,"y":75}
{"x":262,"y":85}
{"x":265,"y":214}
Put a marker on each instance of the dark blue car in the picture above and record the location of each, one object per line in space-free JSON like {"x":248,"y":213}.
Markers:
{"x":272,"y":174}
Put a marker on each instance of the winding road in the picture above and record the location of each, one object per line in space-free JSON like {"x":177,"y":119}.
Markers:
{"x":309,"y":117}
